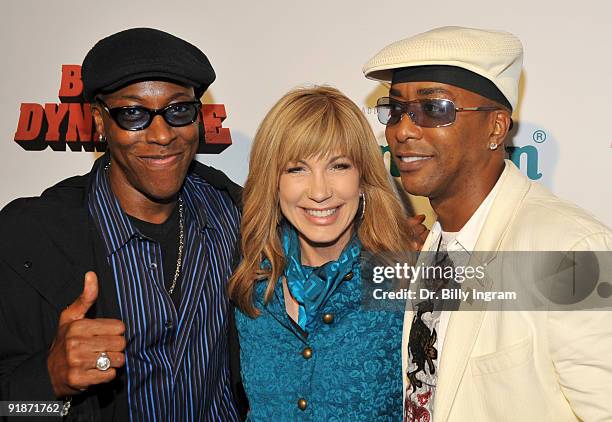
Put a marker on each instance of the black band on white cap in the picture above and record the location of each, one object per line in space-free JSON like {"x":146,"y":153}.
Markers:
{"x":452,"y":75}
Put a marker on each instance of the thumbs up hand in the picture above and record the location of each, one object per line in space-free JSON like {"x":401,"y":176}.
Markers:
{"x":80,"y":341}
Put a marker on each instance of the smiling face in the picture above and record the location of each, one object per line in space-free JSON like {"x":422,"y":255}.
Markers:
{"x":320,"y":197}
{"x":148,"y":166}
{"x":446,"y":161}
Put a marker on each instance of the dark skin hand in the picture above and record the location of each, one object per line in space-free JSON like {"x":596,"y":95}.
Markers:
{"x":78,"y":343}
{"x":419,"y":231}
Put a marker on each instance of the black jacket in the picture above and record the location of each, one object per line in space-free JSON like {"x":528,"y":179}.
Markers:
{"x":47,"y":244}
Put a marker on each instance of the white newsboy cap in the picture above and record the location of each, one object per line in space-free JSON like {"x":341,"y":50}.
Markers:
{"x":494,"y":55}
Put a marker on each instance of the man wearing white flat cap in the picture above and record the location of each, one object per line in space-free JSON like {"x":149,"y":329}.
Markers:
{"x":447,"y":115}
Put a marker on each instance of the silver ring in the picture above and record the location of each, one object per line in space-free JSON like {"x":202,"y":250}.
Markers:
{"x":103,"y":362}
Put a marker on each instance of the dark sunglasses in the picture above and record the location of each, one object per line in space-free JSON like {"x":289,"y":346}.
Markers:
{"x":429,"y":112}
{"x":139,"y":117}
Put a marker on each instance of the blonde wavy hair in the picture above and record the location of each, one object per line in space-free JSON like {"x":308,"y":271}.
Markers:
{"x":304,"y":123}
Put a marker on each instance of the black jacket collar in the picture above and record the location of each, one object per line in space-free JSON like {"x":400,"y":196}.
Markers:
{"x":48,"y":240}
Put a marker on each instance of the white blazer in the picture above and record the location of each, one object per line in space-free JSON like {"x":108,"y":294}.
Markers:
{"x":526,"y":365}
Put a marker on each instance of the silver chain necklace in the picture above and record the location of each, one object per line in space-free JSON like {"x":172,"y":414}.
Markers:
{"x":179,"y":260}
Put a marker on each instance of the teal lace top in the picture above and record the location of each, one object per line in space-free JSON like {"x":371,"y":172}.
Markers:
{"x":347,"y":368}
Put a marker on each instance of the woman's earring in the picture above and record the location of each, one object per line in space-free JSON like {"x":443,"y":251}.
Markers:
{"x":492,"y":146}
{"x":362,"y":195}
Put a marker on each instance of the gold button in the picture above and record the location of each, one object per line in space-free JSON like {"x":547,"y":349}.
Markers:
{"x":307,"y":353}
{"x":349,"y":276}
{"x":302,"y":404}
{"x":328,"y":318}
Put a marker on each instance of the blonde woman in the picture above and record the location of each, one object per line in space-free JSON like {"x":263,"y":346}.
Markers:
{"x":317,"y":195}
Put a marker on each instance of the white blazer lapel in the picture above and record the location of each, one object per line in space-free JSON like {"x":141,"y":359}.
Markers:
{"x":464,"y":325}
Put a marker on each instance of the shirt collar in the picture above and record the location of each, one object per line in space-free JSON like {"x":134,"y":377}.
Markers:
{"x":468,"y":235}
{"x":195,"y":201}
{"x":115,"y":226}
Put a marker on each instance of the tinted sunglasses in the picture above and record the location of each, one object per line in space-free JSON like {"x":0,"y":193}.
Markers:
{"x":429,"y":112}
{"x":139,"y":117}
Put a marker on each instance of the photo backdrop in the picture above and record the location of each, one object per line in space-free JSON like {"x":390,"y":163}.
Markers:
{"x":260,"y":50}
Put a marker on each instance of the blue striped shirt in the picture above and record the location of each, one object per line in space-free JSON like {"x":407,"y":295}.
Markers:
{"x":177,"y":361}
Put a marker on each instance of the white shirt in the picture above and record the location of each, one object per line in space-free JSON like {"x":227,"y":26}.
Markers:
{"x":462,"y":241}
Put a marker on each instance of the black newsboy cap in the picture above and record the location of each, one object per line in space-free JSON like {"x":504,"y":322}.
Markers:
{"x":141,"y":54}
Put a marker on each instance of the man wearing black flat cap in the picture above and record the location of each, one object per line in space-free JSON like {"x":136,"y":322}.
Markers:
{"x":113,"y":283}
{"x":448,"y":113}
